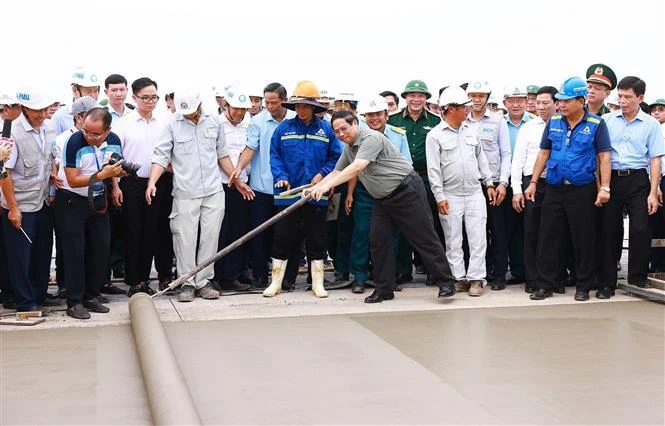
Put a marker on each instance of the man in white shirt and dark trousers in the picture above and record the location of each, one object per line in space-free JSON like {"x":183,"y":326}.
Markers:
{"x":526,"y":151}
{"x":138,"y":131}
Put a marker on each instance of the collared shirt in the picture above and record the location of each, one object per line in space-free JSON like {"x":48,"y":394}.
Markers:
{"x":63,"y":119}
{"x":259,"y":132}
{"x":397,"y":137}
{"x":58,"y":151}
{"x":492,"y":131}
{"x":387,"y":167}
{"x":193,"y":150}
{"x":456,"y":162}
{"x":89,"y":158}
{"x":40,"y":140}
{"x":115,"y":116}
{"x":416,"y":133}
{"x":138,"y":138}
{"x":514,"y":129}
{"x":526,"y":152}
{"x":635,"y":142}
{"x":236,"y":140}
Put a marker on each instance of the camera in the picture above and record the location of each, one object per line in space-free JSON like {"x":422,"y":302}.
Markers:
{"x":129,"y":168}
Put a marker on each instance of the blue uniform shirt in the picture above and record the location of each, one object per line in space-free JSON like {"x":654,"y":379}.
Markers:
{"x":513,"y":129}
{"x":397,"y":137}
{"x":298,"y":152}
{"x":259,"y":133}
{"x":636,"y":142}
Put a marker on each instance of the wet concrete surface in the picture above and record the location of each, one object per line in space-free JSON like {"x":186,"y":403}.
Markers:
{"x":596,"y":363}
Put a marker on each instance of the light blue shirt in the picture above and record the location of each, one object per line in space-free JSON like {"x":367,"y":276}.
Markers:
{"x":399,"y":140}
{"x":63,"y":119}
{"x":259,"y":133}
{"x":636,"y":142}
{"x":513,"y":129}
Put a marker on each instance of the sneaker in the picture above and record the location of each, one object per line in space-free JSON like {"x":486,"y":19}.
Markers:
{"x":475,"y":288}
{"x":187,"y":293}
{"x":207,"y":292}
{"x":78,"y":311}
{"x":94,"y":306}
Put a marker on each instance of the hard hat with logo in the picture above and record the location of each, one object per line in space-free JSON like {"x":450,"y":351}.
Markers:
{"x":374,"y":104}
{"x":325,"y":97}
{"x":532,"y":89}
{"x":35,"y":99}
{"x":571,"y":88}
{"x":454,"y":95}
{"x":514,"y":92}
{"x":478,"y":86}
{"x":85,"y":77}
{"x":416,"y":86}
{"x":601,"y":73}
{"x":305,"y":93}
{"x":187,"y":101}
{"x":8,"y":97}
{"x":659,"y":101}
{"x":237,"y":98}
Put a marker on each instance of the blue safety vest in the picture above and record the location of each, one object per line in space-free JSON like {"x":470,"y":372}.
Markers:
{"x":573,"y":153}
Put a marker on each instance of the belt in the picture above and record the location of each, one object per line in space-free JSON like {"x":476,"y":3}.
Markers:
{"x":402,"y":185}
{"x":627,"y":172}
{"x":421,"y":172}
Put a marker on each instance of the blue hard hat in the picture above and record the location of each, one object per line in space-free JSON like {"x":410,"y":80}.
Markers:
{"x":572,"y":88}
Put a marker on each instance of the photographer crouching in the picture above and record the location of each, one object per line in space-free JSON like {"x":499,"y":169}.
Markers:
{"x":92,"y":159}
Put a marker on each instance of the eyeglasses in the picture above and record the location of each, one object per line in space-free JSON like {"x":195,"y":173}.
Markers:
{"x":148,"y":99}
{"x":342,"y":129}
{"x":93,"y":135}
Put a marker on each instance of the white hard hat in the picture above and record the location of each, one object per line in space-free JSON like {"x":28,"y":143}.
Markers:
{"x":8,"y":97}
{"x":515,"y":92}
{"x":454,"y":95}
{"x":346,"y":96}
{"x":220,"y":92}
{"x":35,"y":99}
{"x":374,"y":104}
{"x":256,"y":92}
{"x":187,"y":101}
{"x":478,"y":86}
{"x":85,"y":77}
{"x":325,"y":96}
{"x":613,"y":99}
{"x":237,"y":98}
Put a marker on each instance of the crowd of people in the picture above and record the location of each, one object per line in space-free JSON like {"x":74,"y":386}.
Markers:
{"x":470,"y":190}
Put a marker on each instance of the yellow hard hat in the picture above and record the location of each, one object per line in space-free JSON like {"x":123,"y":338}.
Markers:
{"x":305,"y":92}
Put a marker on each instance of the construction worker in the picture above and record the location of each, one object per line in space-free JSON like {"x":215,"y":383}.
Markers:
{"x":531,"y":91}
{"x":574,"y":144}
{"x":492,"y":132}
{"x":84,"y":82}
{"x":456,"y":164}
{"x":600,"y":81}
{"x":637,"y":148}
{"x":359,"y":202}
{"x":524,"y":158}
{"x":28,"y":227}
{"x":328,"y":102}
{"x":237,"y":196}
{"x":193,"y":143}
{"x":303,"y":150}
{"x":400,"y":203}
{"x":262,"y":207}
{"x":416,"y":121}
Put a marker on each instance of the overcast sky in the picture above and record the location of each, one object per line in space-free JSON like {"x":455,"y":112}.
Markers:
{"x":341,"y":45}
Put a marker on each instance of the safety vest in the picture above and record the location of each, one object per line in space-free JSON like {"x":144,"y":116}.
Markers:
{"x":573,"y":154}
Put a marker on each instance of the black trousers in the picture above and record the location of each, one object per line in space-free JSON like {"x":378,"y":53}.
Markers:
{"x":632,"y":192}
{"x":261,"y":208}
{"x":406,"y":210}
{"x":567,"y":208}
{"x":5,"y":287}
{"x":234,"y":225}
{"x":532,"y":210}
{"x":286,"y":238}
{"x":141,"y":228}
{"x":499,"y":238}
{"x":86,"y":239}
{"x":657,"y":224}
{"x":164,"y":249}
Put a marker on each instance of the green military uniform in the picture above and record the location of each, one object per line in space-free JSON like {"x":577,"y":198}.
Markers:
{"x":416,"y":133}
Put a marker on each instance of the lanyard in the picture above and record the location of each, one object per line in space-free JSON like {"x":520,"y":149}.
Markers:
{"x":97,"y":159}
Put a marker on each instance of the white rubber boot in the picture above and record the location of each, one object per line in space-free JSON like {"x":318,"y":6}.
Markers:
{"x":278,"y":270}
{"x":317,"y":279}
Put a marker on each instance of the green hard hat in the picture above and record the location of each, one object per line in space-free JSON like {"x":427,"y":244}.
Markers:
{"x":659,"y":101}
{"x":532,"y":89}
{"x":416,"y":86}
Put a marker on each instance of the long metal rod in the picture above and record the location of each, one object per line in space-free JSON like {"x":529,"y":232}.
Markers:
{"x":293,"y":191}
{"x":237,"y":243}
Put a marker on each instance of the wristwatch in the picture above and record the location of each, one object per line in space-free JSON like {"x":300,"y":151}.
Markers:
{"x":605,"y":188}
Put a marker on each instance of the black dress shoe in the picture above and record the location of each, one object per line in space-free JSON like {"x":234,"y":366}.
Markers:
{"x":644,"y":284}
{"x":429,"y":281}
{"x":447,"y":290}
{"x":516,"y":280}
{"x":234,"y":285}
{"x":103,"y":299}
{"x":604,"y":293}
{"x":559,"y":290}
{"x":51,"y":302}
{"x":540,"y":294}
{"x":109,"y":288}
{"x":498,"y":285}
{"x":245,"y":279}
{"x":398,"y":287}
{"x":163,"y":283}
{"x":341,"y":276}
{"x":404,"y":278}
{"x":420,"y":269}
{"x":94,"y":306}
{"x":260,"y":284}
{"x":139,"y":288}
{"x":581,"y":296}
{"x":529,"y":288}
{"x":377,"y":297}
{"x":78,"y":311}
{"x":358,"y":286}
